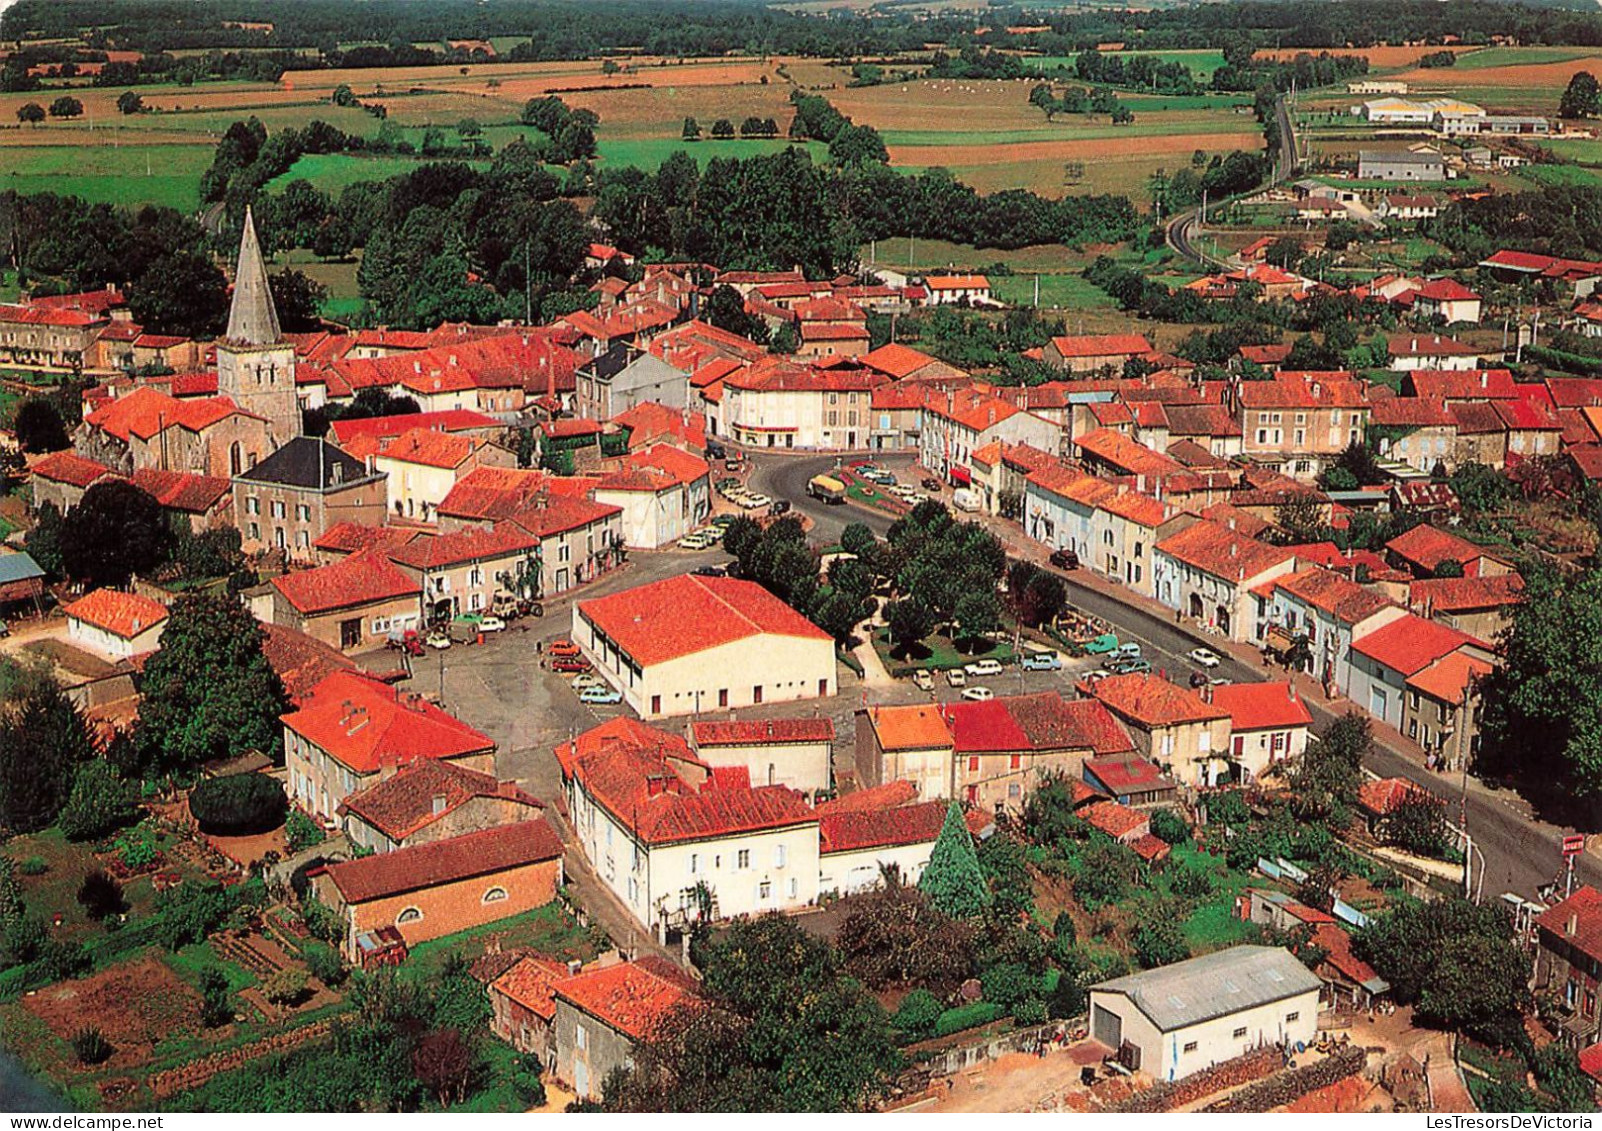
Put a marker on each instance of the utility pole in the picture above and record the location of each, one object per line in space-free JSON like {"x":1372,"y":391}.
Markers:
{"x":528,"y":287}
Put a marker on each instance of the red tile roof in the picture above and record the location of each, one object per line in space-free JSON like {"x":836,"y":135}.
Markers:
{"x":36,"y":315}
{"x":1429,"y":345}
{"x":432,"y":449}
{"x":1476,"y":418}
{"x":1124,"y":454}
{"x":1149,"y":701}
{"x":365,"y":725}
{"x":179,"y":490}
{"x":70,"y":468}
{"x":439,"y":551}
{"x":915,"y":727}
{"x":1410,"y":644}
{"x":1150,"y":848}
{"x":1449,"y":679}
{"x":530,"y":982}
{"x":1262,"y":706}
{"x":1127,"y":773}
{"x":1446,"y":290}
{"x":856,"y":830}
{"x":1348,"y":601}
{"x":146,"y":411}
{"x":353,"y":537}
{"x":1412,"y":412}
{"x":632,"y":998}
{"x":762,"y":732}
{"x":357,"y":580}
{"x":441,"y":862}
{"x":424,"y":792}
{"x":1217,"y":550}
{"x":1101,"y":345}
{"x":1382,"y":795}
{"x":1460,"y":594}
{"x":683,"y":615}
{"x":1114,"y":819}
{"x":121,"y":614}
{"x":552,"y":512}
{"x":1585,"y":907}
{"x":886,"y":796}
{"x":301,"y":661}
{"x":897,"y":360}
{"x":1427,"y":547}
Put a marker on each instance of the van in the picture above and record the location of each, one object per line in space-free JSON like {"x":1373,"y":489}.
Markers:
{"x":965,"y":500}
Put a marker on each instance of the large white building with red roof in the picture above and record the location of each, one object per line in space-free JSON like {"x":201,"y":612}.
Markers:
{"x":663,"y":493}
{"x":690,"y":644}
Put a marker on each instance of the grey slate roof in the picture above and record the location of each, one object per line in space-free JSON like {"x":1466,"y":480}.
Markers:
{"x":18,"y":567}
{"x":1214,"y":985}
{"x":252,"y":318}
{"x":1400,"y":157}
{"x":310,"y":462}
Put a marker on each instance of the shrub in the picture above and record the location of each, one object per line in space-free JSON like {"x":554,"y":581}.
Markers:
{"x":100,"y":802}
{"x":216,"y":1002}
{"x":1030,"y":1011}
{"x":286,"y":987}
{"x":1170,"y":827}
{"x":1063,"y":929}
{"x":302,"y":832}
{"x":63,"y":960}
{"x":1008,"y":983}
{"x":919,"y":1012}
{"x":34,"y":866}
{"x":238,"y":804}
{"x":189,"y":913}
{"x":1190,"y":883}
{"x":325,"y":964}
{"x":321,"y":920}
{"x":967,"y":1017}
{"x":1159,"y":941}
{"x":91,"y":1046}
{"x":525,"y":1078}
{"x":101,"y":896}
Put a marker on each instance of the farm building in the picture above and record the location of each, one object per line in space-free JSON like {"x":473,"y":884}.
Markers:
{"x":1400,"y":165}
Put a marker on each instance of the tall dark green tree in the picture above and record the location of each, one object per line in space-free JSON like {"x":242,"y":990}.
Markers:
{"x":115,"y":532}
{"x":43,"y":741}
{"x":1582,"y":99}
{"x":209,"y":692}
{"x":952,"y":881}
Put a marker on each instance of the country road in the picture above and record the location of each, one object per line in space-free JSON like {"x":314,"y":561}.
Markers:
{"x":1182,"y":229}
{"x":1514,"y":851}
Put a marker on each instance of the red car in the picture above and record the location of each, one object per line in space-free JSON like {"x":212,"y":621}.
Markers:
{"x":571,"y":664}
{"x":562,"y":648}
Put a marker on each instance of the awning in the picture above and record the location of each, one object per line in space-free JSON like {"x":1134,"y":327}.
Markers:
{"x":960,"y":475}
{"x":1279,"y":640}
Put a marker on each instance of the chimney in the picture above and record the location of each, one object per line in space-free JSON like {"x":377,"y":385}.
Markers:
{"x":655,"y":785}
{"x":439,"y":804}
{"x":1485,"y":379}
{"x":1573,"y":924}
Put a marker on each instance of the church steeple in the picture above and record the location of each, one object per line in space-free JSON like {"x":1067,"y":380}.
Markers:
{"x":252,"y":319}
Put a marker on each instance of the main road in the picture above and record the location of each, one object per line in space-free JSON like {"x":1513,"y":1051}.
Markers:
{"x":1514,"y":851}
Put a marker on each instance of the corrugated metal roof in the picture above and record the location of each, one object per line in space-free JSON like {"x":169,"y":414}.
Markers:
{"x":1214,"y":985}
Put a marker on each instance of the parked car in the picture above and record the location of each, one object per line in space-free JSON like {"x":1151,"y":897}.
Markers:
{"x":955,"y":678}
{"x":408,"y":642}
{"x":732,"y":463}
{"x":439,"y":640}
{"x":1106,"y":642}
{"x":900,"y":490}
{"x":780,"y":506}
{"x":1094,"y":674}
{"x":1129,"y":665}
{"x":983,"y":667}
{"x":562,"y":647}
{"x":491,"y":624}
{"x":570,"y":665}
{"x":915,"y":498}
{"x":978,"y":694}
{"x":587,"y":679}
{"x":751,"y":502}
{"x":930,"y":483}
{"x":600,"y":696}
{"x":715,"y":450}
{"x":696,"y":541}
{"x":723,"y":521}
{"x":923,"y":680}
{"x":1065,"y":559}
{"x":1129,"y":649}
{"x":711,"y":571}
{"x":1206,"y":657}
{"x":1041,"y":662}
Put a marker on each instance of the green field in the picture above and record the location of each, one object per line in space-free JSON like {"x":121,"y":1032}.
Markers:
{"x":1562,"y":176}
{"x":1518,"y":57}
{"x":1202,"y":63}
{"x":132,"y":175}
{"x":1057,"y":292}
{"x":1584,"y":150}
{"x":334,"y":172}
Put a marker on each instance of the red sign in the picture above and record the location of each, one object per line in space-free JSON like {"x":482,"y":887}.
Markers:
{"x":1573,"y":845}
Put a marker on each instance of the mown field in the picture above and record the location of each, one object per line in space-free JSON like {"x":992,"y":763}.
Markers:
{"x":1202,"y":63}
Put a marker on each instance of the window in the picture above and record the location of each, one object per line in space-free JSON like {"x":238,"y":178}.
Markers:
{"x":253,"y":505}
{"x":695,"y":863}
{"x":656,"y":704}
{"x":255,"y":532}
{"x":1241,"y":1032}
{"x":756,"y":694}
{"x":792,"y":887}
{"x":1190,"y":1046}
{"x":765,"y":891}
{"x":303,"y":512}
{"x":495,"y":895}
{"x":723,"y":697}
{"x":780,"y":855}
{"x":409,"y":915}
{"x":1289,"y":1017}
{"x":277,"y":508}
{"x":581,"y":1036}
{"x":742,"y":859}
{"x":1017,"y":762}
{"x":973,"y":764}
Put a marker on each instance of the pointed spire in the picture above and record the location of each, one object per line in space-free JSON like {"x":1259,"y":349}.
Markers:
{"x":252,"y":319}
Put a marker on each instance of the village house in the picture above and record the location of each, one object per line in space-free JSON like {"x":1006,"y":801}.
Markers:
{"x":660,"y":827}
{"x":1086,"y":353}
{"x":859,"y":838}
{"x":1177,"y":1020}
{"x":422,"y":466}
{"x":115,"y":624}
{"x":1331,"y":611}
{"x":1106,"y":452}
{"x":1387,"y":664}
{"x":603,"y":1012}
{"x":902,"y":363}
{"x":624,"y":377}
{"x":795,"y":753}
{"x":1481,"y":435}
{"x":580,"y":539}
{"x":293,"y":497}
{"x":1297,"y":423}
{"x":200,"y":502}
{"x":440,"y":888}
{"x":1479,"y":606}
{"x":148,"y":428}
{"x":36,"y":335}
{"x":1433,"y":351}
{"x":775,"y":402}
{"x":1408,"y":206}
{"x":1184,"y":734}
{"x":1209,"y":572}
{"x":663,"y":493}
{"x":352,"y":605}
{"x":999,"y":471}
{"x":1129,"y":780}
{"x":1268,"y":725}
{"x":1533,"y":428}
{"x":945,"y":290}
{"x":523,"y":1005}
{"x":991,"y":754}
{"x":1060,"y":508}
{"x":1124,"y":529}
{"x":431,"y":800}
{"x":690,"y":644}
{"x":462,"y":571}
{"x":1460,"y":386}
{"x":61,"y":478}
{"x":1425,"y":549}
{"x":953,"y":428}
{"x":1441,"y":711}
{"x":1448,"y":300}
{"x":1420,"y":432}
{"x":350,"y":731}
{"x":1568,"y":958}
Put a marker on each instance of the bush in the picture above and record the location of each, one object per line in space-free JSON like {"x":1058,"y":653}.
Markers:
{"x":321,"y":920}
{"x":1030,"y":1011}
{"x":91,"y":1046}
{"x":525,"y":1078}
{"x":302,"y":832}
{"x":216,"y":1002}
{"x":101,"y":896}
{"x":99,"y":804}
{"x":136,"y":848}
{"x":1008,"y":983}
{"x":919,"y":1012}
{"x":967,"y":1017}
{"x":1169,"y":827}
{"x":189,"y":913}
{"x":325,"y":964}
{"x":238,"y":804}
{"x":63,"y":960}
{"x":286,"y":987}
{"x":33,"y":866}
{"x":1063,"y":929}
{"x":1192,"y":884}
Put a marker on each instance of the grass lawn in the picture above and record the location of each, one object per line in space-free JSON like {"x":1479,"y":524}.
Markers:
{"x":941,"y":652}
{"x":549,"y":930}
{"x":1202,"y":62}
{"x":1586,"y":151}
{"x":334,"y":172}
{"x":1057,"y":292}
{"x":1518,"y":57}
{"x":1214,"y":924}
{"x":1562,"y":176}
{"x":344,"y":299}
{"x":102,"y":174}
{"x":10,"y":290}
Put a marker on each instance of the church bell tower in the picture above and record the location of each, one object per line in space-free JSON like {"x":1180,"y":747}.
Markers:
{"x":255,"y":365}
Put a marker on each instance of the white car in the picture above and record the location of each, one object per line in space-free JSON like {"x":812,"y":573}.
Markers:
{"x":955,"y":678}
{"x":979,"y":694}
{"x":982,"y":667}
{"x":923,"y":680}
{"x":901,"y":490}
{"x":1205,"y":657}
{"x":491,"y":624}
{"x":1094,"y":674}
{"x":916,"y":497}
{"x":752,"y":502}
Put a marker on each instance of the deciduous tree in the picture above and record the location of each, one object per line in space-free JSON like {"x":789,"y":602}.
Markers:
{"x":115,"y":532}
